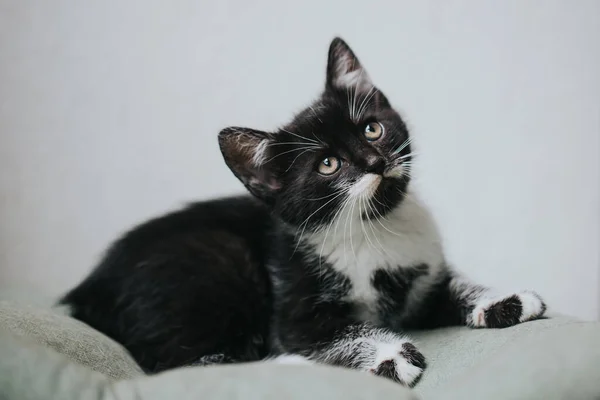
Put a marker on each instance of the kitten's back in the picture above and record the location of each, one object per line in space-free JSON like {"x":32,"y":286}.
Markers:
{"x":183,"y":286}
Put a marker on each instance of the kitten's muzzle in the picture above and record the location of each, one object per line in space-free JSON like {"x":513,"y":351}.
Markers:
{"x":394,"y":171}
{"x":374,"y":164}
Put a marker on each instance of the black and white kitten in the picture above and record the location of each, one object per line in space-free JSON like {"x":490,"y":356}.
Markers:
{"x":329,"y":261}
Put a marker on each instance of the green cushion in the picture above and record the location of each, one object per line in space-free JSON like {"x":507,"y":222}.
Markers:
{"x":553,"y":358}
{"x":76,"y":340}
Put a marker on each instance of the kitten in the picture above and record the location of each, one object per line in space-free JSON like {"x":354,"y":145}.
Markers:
{"x":328,"y":261}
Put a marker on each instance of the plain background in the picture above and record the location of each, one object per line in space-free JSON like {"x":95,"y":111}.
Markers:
{"x":109,"y":112}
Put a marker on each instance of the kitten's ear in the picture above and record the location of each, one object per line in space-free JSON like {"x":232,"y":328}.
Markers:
{"x":245,"y":153}
{"x":344,"y":71}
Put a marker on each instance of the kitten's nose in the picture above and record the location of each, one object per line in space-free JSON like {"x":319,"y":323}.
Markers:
{"x":374,"y":164}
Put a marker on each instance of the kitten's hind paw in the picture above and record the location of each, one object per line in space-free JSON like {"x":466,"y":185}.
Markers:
{"x":400,"y":362}
{"x":501,"y":312}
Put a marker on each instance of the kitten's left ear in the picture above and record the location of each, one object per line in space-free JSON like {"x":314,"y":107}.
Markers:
{"x":344,"y":71}
{"x":245,"y":153}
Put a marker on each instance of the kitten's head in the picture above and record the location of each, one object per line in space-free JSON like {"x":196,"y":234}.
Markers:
{"x":348,"y":151}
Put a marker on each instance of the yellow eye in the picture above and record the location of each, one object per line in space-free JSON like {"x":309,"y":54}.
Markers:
{"x":329,"y":166}
{"x":373,"y":131}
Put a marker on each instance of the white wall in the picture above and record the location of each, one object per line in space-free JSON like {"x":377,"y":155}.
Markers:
{"x":109,"y":112}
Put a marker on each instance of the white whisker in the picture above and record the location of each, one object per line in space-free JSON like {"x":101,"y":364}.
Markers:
{"x":289,"y":151}
{"x":381,"y":223}
{"x":346,"y":231}
{"x":328,"y":228}
{"x":305,"y":223}
{"x":366,"y":102}
{"x":403,"y":145}
{"x":413,"y":154}
{"x":324,"y":197}
{"x":354,"y":102}
{"x":294,"y":143}
{"x":299,"y":136}
{"x":370,"y":243}
{"x":295,"y":158}
{"x":373,"y":227}
{"x":352,"y":231}
{"x":315,"y":113}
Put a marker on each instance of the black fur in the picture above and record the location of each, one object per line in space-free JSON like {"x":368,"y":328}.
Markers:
{"x":183,"y":286}
{"x":394,"y":286}
{"x":504,"y":313}
{"x":238,"y":279}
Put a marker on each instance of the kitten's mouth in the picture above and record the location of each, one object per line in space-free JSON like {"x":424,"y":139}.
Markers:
{"x":382,"y":193}
{"x":366,"y":186}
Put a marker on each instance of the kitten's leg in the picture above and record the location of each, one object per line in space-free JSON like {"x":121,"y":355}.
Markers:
{"x":370,"y":349}
{"x":483,"y":308}
{"x":375,"y":350}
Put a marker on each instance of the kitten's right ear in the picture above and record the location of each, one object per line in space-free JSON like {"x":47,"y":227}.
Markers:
{"x":344,"y":70}
{"x":245,"y":153}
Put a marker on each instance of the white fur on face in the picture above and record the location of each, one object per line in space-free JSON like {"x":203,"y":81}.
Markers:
{"x":396,"y":172}
{"x":366,"y":186}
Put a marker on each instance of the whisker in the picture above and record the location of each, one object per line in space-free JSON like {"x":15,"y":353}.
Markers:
{"x":354,"y":103}
{"x":299,"y":136}
{"x":403,"y":145}
{"x":413,"y":154}
{"x":366,"y":102}
{"x":362,"y":203}
{"x":346,"y":231}
{"x":371,"y":206}
{"x":315,"y":113}
{"x":352,"y":231}
{"x":305,"y":223}
{"x":295,"y":158}
{"x":349,"y":96}
{"x":315,"y":136}
{"x":327,"y":233}
{"x":324,"y":197}
{"x":289,"y":151}
{"x":294,"y":143}
{"x":346,"y":202}
{"x":381,"y":223}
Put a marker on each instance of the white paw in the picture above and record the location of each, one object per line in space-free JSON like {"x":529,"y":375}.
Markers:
{"x":533,"y":306}
{"x":509,"y":310}
{"x":399,"y":361}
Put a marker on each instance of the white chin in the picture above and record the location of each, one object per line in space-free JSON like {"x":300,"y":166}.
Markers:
{"x":366,"y":186}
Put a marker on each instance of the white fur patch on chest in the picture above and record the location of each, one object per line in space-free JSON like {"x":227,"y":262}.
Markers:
{"x":406,"y":237}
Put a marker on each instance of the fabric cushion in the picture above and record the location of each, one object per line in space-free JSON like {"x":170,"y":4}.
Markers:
{"x":551,"y":358}
{"x":453,"y":352}
{"x":76,"y":340}
{"x":560,"y":363}
{"x":29,"y":371}
{"x":538,"y":358}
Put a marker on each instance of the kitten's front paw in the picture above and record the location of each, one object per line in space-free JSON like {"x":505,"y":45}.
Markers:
{"x":400,"y":362}
{"x":510,"y":310}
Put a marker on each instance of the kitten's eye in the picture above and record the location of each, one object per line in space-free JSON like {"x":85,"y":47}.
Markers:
{"x":373,"y":131}
{"x":329,"y":166}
